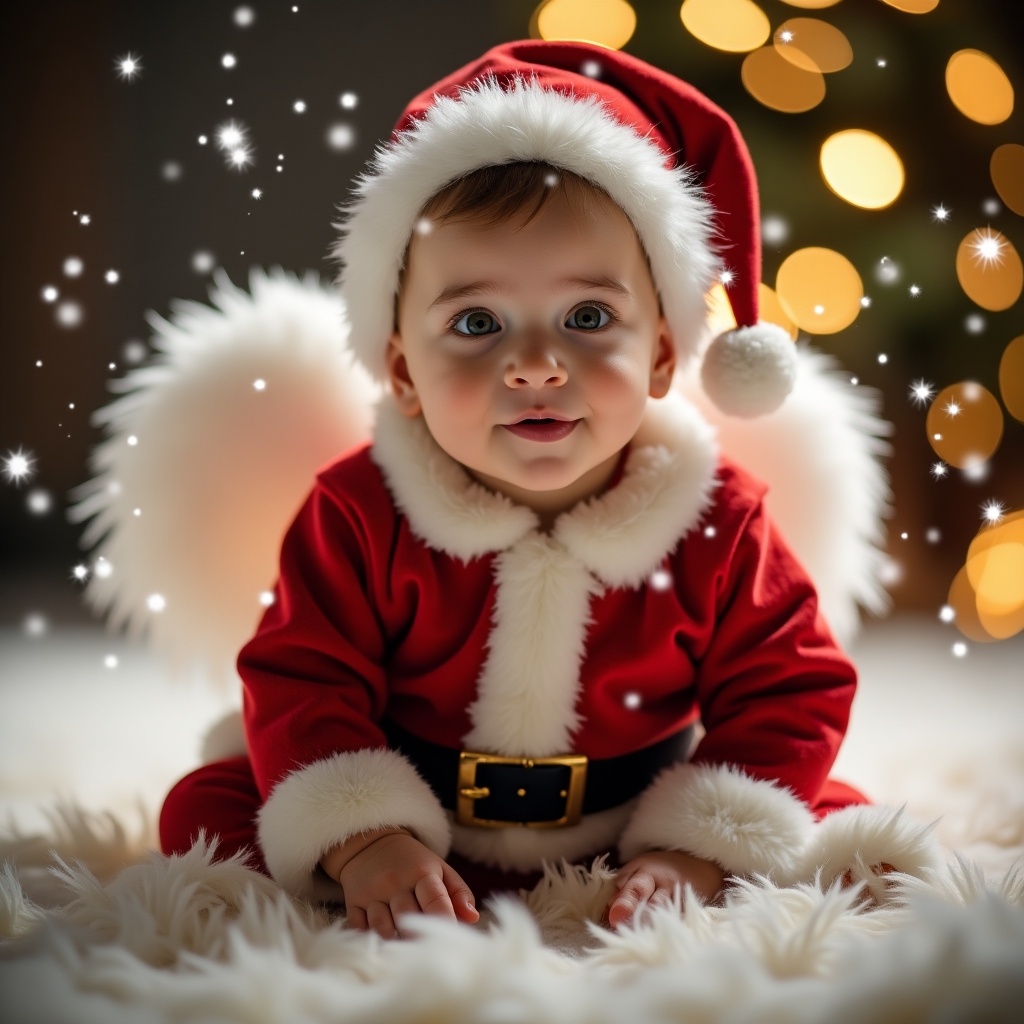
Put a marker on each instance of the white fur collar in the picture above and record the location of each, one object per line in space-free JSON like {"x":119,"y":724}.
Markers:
{"x":620,"y":536}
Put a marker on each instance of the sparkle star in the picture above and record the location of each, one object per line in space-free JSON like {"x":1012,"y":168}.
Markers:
{"x":128,"y":66}
{"x":993,"y":511}
{"x":988,"y":246}
{"x":940,"y":213}
{"x":19,"y":466}
{"x":256,"y":193}
{"x":953,"y":409}
{"x":939,"y":470}
{"x":921,"y":391}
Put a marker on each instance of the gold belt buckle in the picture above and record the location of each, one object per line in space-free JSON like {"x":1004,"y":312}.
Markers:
{"x":468,"y":792}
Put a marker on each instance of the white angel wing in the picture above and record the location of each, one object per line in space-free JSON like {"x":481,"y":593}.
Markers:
{"x":207,"y":457}
{"x":820,"y":453}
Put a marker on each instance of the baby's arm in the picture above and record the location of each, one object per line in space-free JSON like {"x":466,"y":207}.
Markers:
{"x":653,"y":877}
{"x":387,"y":873}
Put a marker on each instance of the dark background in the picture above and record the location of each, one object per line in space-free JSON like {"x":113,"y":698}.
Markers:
{"x":76,"y":137}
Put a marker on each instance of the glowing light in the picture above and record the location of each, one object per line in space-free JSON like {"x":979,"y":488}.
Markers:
{"x":608,"y":23}
{"x":102,"y":568}
{"x":156,"y":602}
{"x":50,"y":293}
{"x":259,"y":384}
{"x":993,"y":511}
{"x":726,"y":278}
{"x":974,"y":323}
{"x":19,"y":466}
{"x":862,"y":168}
{"x":257,"y":193}
{"x":921,"y":391}
{"x":978,"y":87}
{"x":1011,"y":378}
{"x":1007,"y":170}
{"x":35,"y":625}
{"x":914,"y":290}
{"x":80,"y":573}
{"x":73,"y":266}
{"x":774,"y":230}
{"x":779,"y":84}
{"x":240,"y":158}
{"x":85,"y":219}
{"x":887,"y":271}
{"x":933,"y":535}
{"x":736,"y":26}
{"x":882,"y":358}
{"x":131,"y":440}
{"x":815,"y":279}
{"x":38,"y":501}
{"x":989,"y":269}
{"x":110,"y":661}
{"x":709,"y":532}
{"x":111,"y":277}
{"x":244,"y":16}
{"x":128,"y":66}
{"x":348,"y":100}
{"x":632,"y":700}
{"x":171,"y":171}
{"x":266,"y":598}
{"x":960,"y":649}
{"x":661,"y":579}
{"x":69,"y":314}
{"x":940,"y":213}
{"x":947,"y":613}
{"x":591,"y":68}
{"x":203,"y":140}
{"x":341,"y":136}
{"x":202,"y":262}
{"x":964,"y":424}
{"x":299,"y":106}
{"x":228,"y":60}
{"x":813,"y":45}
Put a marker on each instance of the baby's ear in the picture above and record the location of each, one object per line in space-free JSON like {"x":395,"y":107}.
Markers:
{"x":402,"y":387}
{"x":663,"y":364}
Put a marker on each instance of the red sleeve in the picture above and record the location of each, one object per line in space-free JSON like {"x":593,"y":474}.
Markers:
{"x":773,"y":687}
{"x":313,"y":677}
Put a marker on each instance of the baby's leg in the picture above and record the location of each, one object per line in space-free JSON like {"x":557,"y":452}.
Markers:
{"x":220,"y":799}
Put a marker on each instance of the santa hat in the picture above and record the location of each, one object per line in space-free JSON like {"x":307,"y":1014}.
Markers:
{"x":673,"y":161}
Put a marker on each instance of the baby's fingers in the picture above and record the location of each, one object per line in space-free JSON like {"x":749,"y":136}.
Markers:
{"x":432,"y":897}
{"x":640,"y":887}
{"x":461,"y":896}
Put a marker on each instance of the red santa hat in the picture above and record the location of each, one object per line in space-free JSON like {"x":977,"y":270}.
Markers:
{"x":670,"y":158}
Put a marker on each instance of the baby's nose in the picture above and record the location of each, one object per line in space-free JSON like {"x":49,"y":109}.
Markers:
{"x":535,"y":368}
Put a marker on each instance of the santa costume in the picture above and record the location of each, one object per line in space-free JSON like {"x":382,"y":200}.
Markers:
{"x":654,"y":672}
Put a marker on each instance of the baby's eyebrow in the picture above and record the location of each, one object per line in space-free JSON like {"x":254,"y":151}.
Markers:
{"x":462,"y":291}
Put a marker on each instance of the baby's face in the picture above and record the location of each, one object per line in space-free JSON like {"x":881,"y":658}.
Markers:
{"x":531,"y":350}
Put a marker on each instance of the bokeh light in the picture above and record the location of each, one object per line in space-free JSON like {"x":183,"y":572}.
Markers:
{"x":978,"y":87}
{"x":736,"y":26}
{"x":819,"y":289}
{"x":780,"y":84}
{"x":608,"y":23}
{"x":989,"y":269}
{"x":1011,"y":378}
{"x":913,"y":6}
{"x":721,"y":318}
{"x":813,"y":45}
{"x":811,"y":5}
{"x":862,"y":168}
{"x":964,"y":424}
{"x":988,"y":592}
{"x":1007,"y":170}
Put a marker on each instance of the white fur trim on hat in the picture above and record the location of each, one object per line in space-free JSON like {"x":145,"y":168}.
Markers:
{"x":488,"y":125}
{"x":749,"y":371}
{"x":717,"y":812}
{"x":321,"y":805}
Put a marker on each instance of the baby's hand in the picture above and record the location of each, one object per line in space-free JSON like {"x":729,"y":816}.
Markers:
{"x":653,"y":876}
{"x":395,"y":874}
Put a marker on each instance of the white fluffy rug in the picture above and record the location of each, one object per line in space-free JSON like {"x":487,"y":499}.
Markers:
{"x":97,"y":928}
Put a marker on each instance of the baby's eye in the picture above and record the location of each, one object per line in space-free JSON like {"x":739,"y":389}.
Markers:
{"x":475,"y":322}
{"x":589,"y":318}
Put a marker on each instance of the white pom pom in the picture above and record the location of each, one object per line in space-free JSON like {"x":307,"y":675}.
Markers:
{"x":750,"y":371}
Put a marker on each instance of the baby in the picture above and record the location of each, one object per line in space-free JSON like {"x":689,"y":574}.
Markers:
{"x":498,"y":626}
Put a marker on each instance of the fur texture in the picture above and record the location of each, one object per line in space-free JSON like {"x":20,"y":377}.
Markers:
{"x":321,"y":805}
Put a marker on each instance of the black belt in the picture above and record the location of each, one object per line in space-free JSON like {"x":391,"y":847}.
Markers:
{"x":542,"y":792}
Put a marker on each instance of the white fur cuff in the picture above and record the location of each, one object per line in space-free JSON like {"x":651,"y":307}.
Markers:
{"x":719,"y":813}
{"x":862,"y":838}
{"x":321,"y":805}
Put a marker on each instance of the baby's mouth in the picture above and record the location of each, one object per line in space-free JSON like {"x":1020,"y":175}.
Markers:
{"x":542,"y":428}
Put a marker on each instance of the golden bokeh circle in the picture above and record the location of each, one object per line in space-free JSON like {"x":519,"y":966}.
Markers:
{"x":964,"y":424}
{"x":978,"y":87}
{"x":962,"y":600}
{"x":609,"y":23}
{"x":862,"y":168}
{"x":819,"y":290}
{"x":813,"y":45}
{"x":780,"y":84}
{"x":1007,"y":170}
{"x":721,"y":318}
{"x":989,"y":269}
{"x":1011,"y":378}
{"x":913,"y":6}
{"x":735,"y":26}
{"x":811,"y":5}
{"x":995,"y":571}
